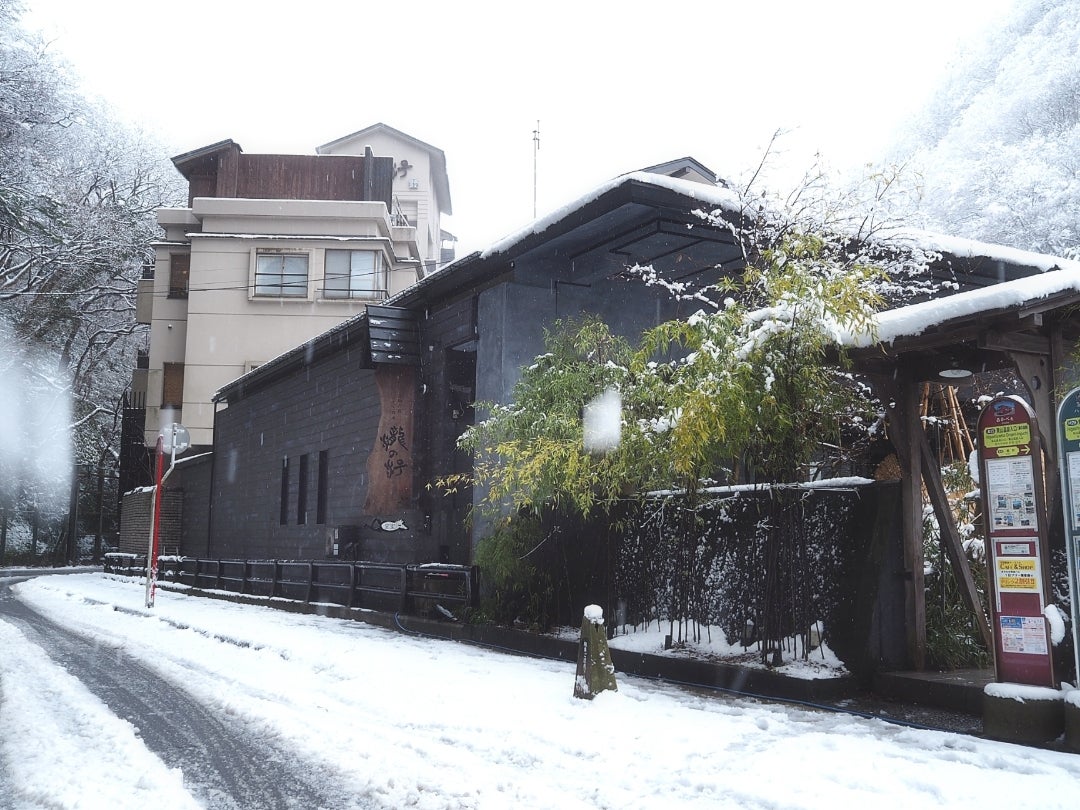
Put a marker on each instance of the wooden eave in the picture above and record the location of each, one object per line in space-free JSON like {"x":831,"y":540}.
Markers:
{"x":980,"y":341}
{"x":202,"y":159}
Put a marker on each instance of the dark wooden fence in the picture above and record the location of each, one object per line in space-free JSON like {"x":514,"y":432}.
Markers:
{"x":413,"y":589}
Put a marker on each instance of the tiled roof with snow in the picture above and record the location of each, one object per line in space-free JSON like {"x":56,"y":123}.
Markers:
{"x":915,"y":319}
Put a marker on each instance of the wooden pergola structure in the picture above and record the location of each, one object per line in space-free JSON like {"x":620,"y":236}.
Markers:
{"x":1027,"y":331}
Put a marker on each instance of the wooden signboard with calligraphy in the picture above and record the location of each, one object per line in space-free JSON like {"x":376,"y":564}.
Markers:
{"x":390,"y":466}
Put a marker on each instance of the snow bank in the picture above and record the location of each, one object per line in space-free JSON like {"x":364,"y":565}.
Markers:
{"x":405,"y":721}
{"x":1022,"y":692}
{"x":819,"y":664}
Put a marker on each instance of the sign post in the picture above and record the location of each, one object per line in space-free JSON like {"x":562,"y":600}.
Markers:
{"x":1069,"y":468}
{"x":1010,"y":470}
{"x":151,"y":551}
{"x":175,"y":439}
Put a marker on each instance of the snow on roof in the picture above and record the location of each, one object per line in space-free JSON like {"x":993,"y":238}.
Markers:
{"x":970,"y":248}
{"x":710,"y":196}
{"x":196,"y":457}
{"x":1058,"y":274}
{"x":917,"y":318}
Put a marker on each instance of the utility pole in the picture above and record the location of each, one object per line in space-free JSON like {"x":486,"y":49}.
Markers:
{"x":179,"y":441}
{"x":536,"y":148}
{"x":71,"y":551}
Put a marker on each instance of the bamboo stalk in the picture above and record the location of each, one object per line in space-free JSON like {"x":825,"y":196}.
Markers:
{"x":965,"y":434}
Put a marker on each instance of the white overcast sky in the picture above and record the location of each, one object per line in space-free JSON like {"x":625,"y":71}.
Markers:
{"x":615,"y":86}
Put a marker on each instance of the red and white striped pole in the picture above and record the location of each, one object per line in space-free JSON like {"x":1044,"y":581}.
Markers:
{"x":155,"y":526}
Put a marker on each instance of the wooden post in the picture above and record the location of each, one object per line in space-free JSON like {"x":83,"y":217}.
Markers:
{"x":905,"y":428}
{"x":595,"y":672}
{"x":950,"y":540}
{"x":915,"y":599}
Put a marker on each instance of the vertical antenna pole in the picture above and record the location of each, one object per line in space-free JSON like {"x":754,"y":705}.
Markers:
{"x":536,"y":148}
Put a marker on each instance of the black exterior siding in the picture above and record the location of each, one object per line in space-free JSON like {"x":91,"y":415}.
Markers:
{"x":331,"y":406}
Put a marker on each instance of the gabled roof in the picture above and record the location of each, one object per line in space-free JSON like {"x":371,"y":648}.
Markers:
{"x":662,"y":190}
{"x":589,"y":224}
{"x":638,"y":211}
{"x":438,"y":157}
{"x":682,"y":168}
{"x":196,"y":157}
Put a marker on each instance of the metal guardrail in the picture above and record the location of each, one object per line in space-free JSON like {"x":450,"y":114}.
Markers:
{"x":378,"y":586}
{"x":119,"y":562}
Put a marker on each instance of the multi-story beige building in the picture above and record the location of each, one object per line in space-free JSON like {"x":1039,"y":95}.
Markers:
{"x":273,"y":250}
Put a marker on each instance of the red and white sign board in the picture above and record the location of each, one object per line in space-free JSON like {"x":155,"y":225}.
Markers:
{"x":1010,"y":470}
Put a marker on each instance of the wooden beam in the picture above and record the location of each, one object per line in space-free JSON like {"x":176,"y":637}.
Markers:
{"x":1038,"y":375}
{"x":937,"y":338}
{"x":1059,"y":356}
{"x":905,"y":428}
{"x":1051,"y":303}
{"x":950,"y":538}
{"x":1014,"y":342}
{"x":920,"y":467}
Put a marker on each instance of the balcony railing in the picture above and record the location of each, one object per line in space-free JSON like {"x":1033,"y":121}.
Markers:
{"x":398,"y":217}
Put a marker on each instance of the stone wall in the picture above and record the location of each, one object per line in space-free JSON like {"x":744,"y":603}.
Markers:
{"x":135,"y":521}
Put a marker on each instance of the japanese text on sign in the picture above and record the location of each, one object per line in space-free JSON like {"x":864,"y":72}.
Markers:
{"x":1072,"y":428}
{"x":1018,"y":574}
{"x":1007,"y":435}
{"x":1023,"y":634}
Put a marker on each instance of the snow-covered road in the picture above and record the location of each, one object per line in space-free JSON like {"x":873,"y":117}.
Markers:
{"x":379,"y":719}
{"x":222,"y":765}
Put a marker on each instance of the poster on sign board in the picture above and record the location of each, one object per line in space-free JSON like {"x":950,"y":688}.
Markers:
{"x":1011,"y":488}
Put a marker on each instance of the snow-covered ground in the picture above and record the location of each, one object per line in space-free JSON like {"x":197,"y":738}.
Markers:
{"x":405,"y":721}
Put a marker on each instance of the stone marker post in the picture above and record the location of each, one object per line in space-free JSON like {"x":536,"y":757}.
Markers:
{"x":595,"y":672}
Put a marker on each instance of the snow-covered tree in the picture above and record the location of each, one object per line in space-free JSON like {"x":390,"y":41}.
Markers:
{"x":997,"y":147}
{"x":742,"y":390}
{"x":77,"y":194}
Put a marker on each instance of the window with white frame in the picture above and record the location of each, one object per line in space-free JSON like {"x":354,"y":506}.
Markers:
{"x":281,"y":275}
{"x":354,"y":274}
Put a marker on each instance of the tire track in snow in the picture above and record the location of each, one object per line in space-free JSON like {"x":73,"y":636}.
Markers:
{"x":222,"y":766}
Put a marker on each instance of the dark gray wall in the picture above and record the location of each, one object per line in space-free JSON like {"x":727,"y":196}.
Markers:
{"x":135,"y":521}
{"x":512,"y":318}
{"x":472,"y":348}
{"x":192,"y":476}
{"x":332,"y":406}
{"x":448,"y":381}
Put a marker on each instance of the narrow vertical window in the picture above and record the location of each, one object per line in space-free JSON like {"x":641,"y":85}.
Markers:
{"x":320,"y":497}
{"x":301,"y":491}
{"x":172,"y":386}
{"x":283,"y":516}
{"x":179,"y":274}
